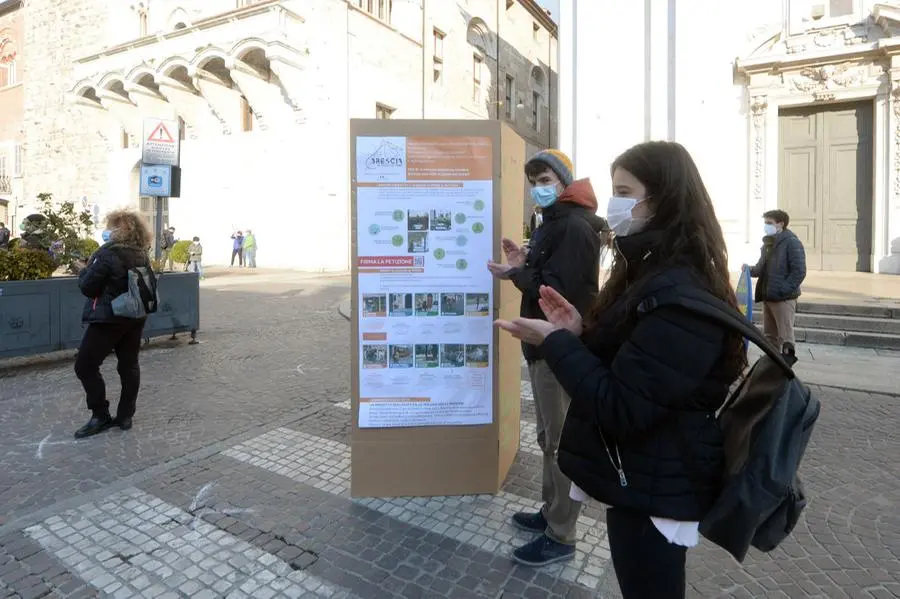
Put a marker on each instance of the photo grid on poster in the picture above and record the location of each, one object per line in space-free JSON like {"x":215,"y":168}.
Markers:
{"x":424,"y":232}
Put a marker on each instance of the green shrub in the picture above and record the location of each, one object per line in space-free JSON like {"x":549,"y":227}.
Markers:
{"x":158,"y":266}
{"x":86,"y":248}
{"x":65,"y":224}
{"x":26,"y":265}
{"x":180,"y":251}
{"x":13,"y":243}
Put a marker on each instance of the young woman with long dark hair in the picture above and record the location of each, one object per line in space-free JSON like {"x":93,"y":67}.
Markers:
{"x":641,"y":435}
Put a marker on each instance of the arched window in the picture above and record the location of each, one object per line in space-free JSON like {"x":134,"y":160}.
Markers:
{"x":178,"y":20}
{"x":478,"y":36}
{"x":8,"y":60}
{"x":538,"y":80}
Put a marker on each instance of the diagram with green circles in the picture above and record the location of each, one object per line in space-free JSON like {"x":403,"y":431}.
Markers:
{"x":479,"y":205}
{"x":462,"y":264}
{"x":460,"y":218}
{"x":478,"y":228}
{"x":397,"y":240}
{"x":439,"y":254}
{"x":399,"y":215}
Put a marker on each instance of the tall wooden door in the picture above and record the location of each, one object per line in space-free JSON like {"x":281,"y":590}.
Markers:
{"x":825,"y":183}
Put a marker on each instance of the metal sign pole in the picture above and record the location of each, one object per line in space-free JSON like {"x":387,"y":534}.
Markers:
{"x":159,"y":226}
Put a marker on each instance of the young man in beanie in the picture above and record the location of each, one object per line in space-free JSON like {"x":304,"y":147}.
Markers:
{"x":564,"y":253}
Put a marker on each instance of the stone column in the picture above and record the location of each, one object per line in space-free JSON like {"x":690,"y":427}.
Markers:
{"x":295,"y":84}
{"x":149,"y":103}
{"x":197,"y":114}
{"x":125,"y":112}
{"x":224,"y":100}
{"x":894,"y":167}
{"x":891,"y":265}
{"x":264,"y":95}
{"x":759,"y":106}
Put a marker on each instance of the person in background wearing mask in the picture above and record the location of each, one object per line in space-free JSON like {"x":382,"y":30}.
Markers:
{"x":534,"y":222}
{"x":237,"y":248}
{"x":195,"y":257}
{"x":103,"y":278}
{"x":781,"y":270}
{"x":4,"y":237}
{"x":640,"y":435}
{"x":166,"y":243}
{"x":563,"y":254}
{"x":250,"y":249}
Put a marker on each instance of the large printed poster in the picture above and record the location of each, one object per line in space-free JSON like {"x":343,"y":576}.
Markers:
{"x":424,"y":236}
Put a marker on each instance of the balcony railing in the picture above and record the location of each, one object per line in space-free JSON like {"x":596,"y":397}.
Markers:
{"x":5,"y":185}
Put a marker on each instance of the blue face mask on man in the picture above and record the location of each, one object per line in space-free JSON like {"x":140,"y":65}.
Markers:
{"x":544,"y":195}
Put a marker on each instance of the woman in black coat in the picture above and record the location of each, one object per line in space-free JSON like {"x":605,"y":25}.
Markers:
{"x":104,"y":278}
{"x":640,"y":434}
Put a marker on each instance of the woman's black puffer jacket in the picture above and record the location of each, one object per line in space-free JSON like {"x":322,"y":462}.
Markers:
{"x":106,"y":277}
{"x":652,"y":387}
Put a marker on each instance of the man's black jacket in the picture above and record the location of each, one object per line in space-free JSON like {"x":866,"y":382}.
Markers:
{"x":781,"y":268}
{"x":565,"y":255}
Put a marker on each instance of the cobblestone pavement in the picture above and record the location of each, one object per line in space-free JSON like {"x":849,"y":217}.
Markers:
{"x":234,"y":483}
{"x":249,"y":370}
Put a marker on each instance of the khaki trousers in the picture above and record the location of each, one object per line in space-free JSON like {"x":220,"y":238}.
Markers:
{"x":550,"y":406}
{"x":778,"y":322}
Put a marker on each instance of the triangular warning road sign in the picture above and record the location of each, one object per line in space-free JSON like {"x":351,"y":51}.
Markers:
{"x":161,"y":134}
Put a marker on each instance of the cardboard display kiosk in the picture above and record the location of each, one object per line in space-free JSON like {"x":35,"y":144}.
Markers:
{"x":435,"y":387}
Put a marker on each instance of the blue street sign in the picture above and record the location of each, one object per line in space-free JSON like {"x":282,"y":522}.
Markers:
{"x":156,"y":180}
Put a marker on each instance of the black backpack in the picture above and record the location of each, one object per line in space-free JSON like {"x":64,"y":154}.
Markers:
{"x":767,"y":423}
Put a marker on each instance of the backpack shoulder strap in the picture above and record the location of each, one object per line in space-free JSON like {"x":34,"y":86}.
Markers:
{"x":706,"y":304}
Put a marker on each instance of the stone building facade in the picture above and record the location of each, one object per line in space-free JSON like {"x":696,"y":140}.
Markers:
{"x":12,"y":77}
{"x":790,"y":104}
{"x":264,"y":90}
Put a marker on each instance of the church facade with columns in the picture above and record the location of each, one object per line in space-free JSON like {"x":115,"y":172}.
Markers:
{"x":263,"y":91}
{"x":789,"y":104}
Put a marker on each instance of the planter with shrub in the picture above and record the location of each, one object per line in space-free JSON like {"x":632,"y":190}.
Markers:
{"x":42,"y":313}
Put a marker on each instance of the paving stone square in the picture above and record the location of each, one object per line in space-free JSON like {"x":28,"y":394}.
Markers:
{"x":234,"y":483}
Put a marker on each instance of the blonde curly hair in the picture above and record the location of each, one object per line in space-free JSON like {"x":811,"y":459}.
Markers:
{"x":127,"y":227}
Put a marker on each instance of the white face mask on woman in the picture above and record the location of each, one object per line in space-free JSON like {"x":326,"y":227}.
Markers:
{"x":621,"y":219}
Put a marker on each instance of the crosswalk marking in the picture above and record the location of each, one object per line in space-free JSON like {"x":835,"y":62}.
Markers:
{"x":481,"y":521}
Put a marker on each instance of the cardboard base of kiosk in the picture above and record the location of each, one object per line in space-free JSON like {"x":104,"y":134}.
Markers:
{"x":448,"y":460}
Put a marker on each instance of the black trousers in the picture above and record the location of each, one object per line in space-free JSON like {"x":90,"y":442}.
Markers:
{"x":646,"y":564}
{"x":100,"y":340}
{"x":240,"y":256}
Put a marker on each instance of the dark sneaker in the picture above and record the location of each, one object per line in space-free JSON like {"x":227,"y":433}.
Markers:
{"x":789,"y":353}
{"x":123,"y":423}
{"x":543,"y":551}
{"x":97,"y":424}
{"x":530,"y":522}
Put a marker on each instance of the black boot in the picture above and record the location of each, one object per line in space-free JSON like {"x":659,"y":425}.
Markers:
{"x":123,"y":423}
{"x":97,"y":424}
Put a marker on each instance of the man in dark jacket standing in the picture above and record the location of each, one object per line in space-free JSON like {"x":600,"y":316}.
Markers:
{"x":781,"y":270}
{"x":564,"y":253}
